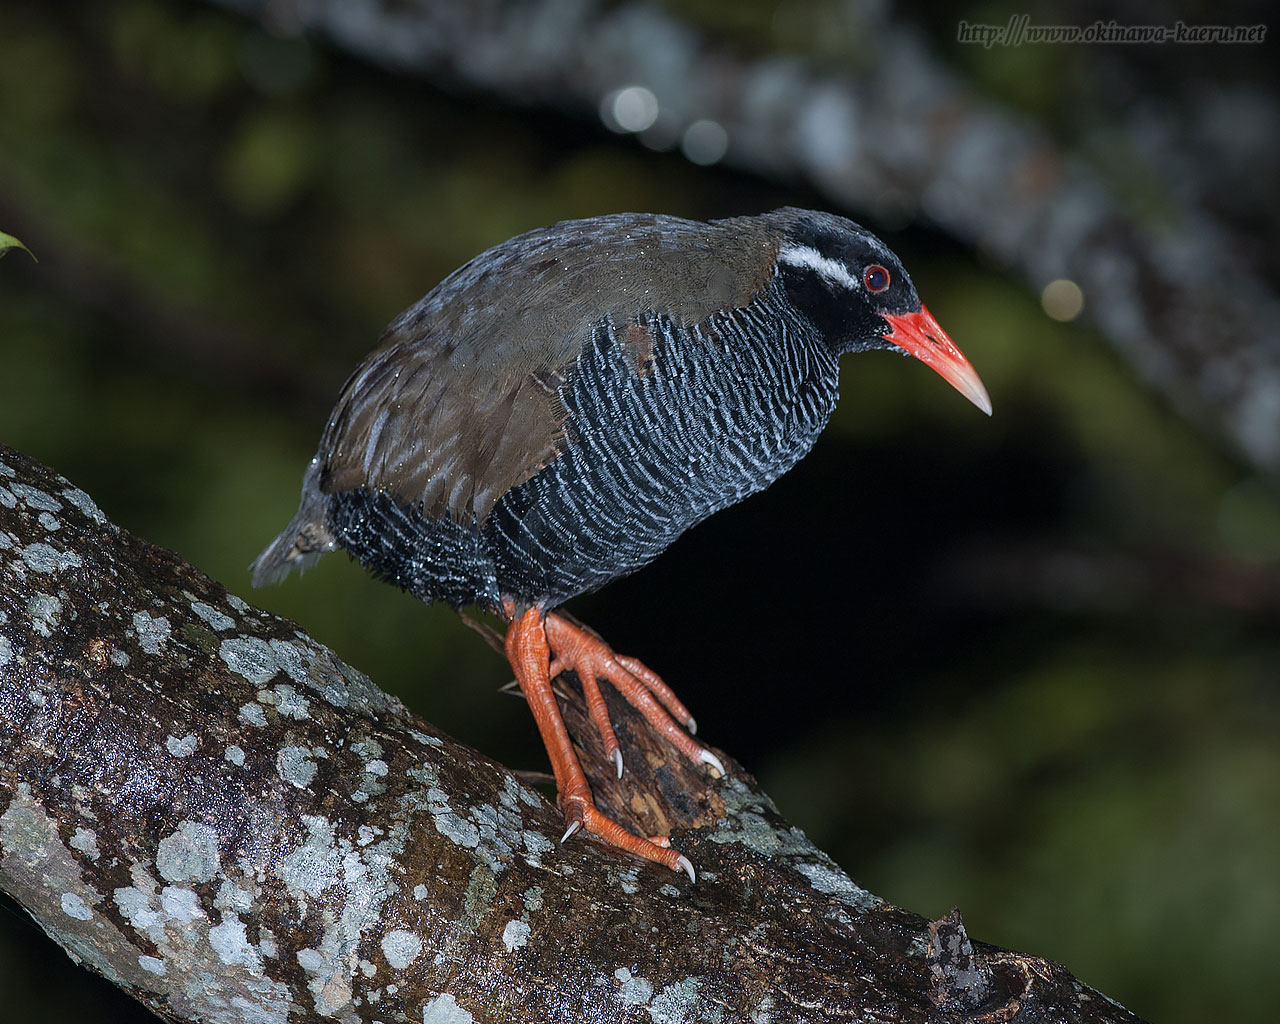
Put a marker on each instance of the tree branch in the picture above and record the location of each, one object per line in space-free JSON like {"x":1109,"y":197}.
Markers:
{"x":207,"y":807}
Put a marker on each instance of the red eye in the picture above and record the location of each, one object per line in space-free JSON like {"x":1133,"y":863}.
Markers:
{"x":876,"y":278}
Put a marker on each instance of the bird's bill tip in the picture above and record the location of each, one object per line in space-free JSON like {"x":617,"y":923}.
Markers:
{"x":920,"y":335}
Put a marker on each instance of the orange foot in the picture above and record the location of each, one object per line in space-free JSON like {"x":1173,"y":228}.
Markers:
{"x":531,"y":638}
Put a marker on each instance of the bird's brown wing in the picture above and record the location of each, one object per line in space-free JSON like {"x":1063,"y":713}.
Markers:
{"x":421,"y":424}
{"x":460,"y":402}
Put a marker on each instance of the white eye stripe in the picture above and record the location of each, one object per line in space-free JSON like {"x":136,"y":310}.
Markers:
{"x":806,"y":256}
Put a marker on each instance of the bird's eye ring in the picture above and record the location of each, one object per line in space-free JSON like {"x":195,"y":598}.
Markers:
{"x":876,"y":278}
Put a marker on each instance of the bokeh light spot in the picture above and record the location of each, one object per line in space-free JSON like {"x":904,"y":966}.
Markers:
{"x":635,"y":108}
{"x":1062,"y":300}
{"x":705,"y":142}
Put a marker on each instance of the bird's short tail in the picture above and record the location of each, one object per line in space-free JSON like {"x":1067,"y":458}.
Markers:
{"x":299,"y":544}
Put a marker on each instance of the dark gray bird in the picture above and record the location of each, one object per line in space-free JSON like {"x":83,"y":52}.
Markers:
{"x":560,"y":409}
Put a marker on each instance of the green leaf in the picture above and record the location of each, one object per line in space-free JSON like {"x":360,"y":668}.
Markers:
{"x":8,"y":242}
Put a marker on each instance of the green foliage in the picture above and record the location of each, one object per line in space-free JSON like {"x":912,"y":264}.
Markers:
{"x":8,"y":242}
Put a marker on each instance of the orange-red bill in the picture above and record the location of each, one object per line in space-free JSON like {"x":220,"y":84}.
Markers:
{"x":920,"y":335}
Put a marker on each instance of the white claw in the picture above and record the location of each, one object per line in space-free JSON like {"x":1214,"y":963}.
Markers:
{"x":686,"y":865}
{"x":691,"y":726}
{"x":573,"y":827}
{"x":717,"y":766}
{"x":617,"y":760}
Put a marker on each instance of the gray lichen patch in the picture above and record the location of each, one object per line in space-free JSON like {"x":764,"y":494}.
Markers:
{"x":153,"y":631}
{"x":85,"y":504}
{"x":252,"y":713}
{"x":184,"y":747}
{"x":190,"y":854}
{"x":306,"y":663}
{"x":181,"y":905}
{"x":315,"y":865}
{"x":292,"y":658}
{"x":444,"y":1009}
{"x":287,"y":701}
{"x":233,"y":897}
{"x":753,"y":831}
{"x":677,"y":1002}
{"x":35,"y":499}
{"x":235,"y":755}
{"x":250,"y":657}
{"x":49,"y":521}
{"x":401,"y":948}
{"x":45,"y":558}
{"x":366,"y":747}
{"x":6,"y":651}
{"x":152,"y":964}
{"x":73,"y":905}
{"x":86,"y":841}
{"x":634,"y":990}
{"x":495,"y":831}
{"x":294,"y":765}
{"x":231,"y":944}
{"x":330,"y":983}
{"x":217,"y":620}
{"x":177,"y":925}
{"x":448,"y":823}
{"x":345,"y":887}
{"x":482,"y":890}
{"x":752,"y":821}
{"x":828,"y":879}
{"x":515,"y":934}
{"x":513,"y":792}
{"x":45,"y":876}
{"x":45,"y":613}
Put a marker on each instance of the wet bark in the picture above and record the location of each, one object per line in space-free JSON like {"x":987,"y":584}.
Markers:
{"x":208,"y":808}
{"x":890,"y":131}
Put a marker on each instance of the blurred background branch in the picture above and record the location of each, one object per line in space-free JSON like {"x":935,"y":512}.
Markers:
{"x":891,"y":131}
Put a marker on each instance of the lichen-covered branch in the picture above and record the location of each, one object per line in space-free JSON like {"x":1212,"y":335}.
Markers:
{"x":207,"y":807}
{"x":897,"y":133}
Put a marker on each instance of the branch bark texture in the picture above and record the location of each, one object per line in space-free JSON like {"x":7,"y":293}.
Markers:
{"x":207,"y":807}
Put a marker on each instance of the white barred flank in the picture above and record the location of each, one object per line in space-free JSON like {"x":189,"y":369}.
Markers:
{"x":729,"y":406}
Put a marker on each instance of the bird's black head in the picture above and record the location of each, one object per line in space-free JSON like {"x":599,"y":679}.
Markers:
{"x":857,"y":295}
{"x":841,"y":278}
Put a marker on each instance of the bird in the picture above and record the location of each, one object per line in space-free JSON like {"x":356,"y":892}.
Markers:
{"x":557,"y":411}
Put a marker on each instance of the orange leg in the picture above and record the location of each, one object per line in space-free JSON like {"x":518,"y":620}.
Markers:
{"x":592,"y":659}
{"x":529,"y":651}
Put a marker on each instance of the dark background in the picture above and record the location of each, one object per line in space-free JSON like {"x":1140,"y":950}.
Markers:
{"x":1027,"y":665}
